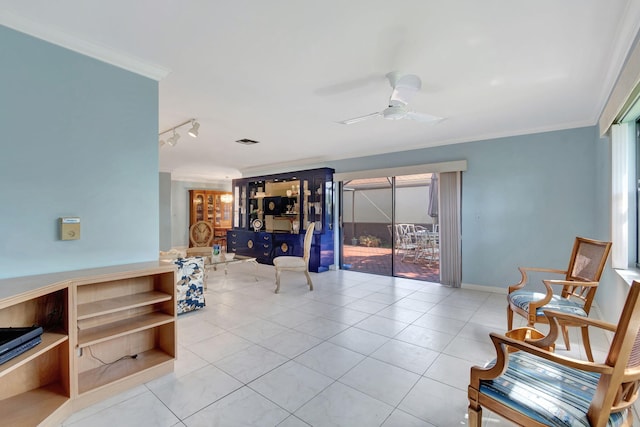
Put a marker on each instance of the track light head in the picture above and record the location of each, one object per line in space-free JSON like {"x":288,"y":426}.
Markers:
{"x":173,"y":139}
{"x":193,"y":132}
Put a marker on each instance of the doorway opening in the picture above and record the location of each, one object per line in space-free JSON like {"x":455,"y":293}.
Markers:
{"x":390,"y":226}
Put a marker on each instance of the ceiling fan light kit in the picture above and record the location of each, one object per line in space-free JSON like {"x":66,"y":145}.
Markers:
{"x":173,"y":139}
{"x":395,"y":112}
{"x":404,"y":88}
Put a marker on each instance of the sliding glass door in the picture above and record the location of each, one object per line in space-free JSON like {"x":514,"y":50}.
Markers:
{"x":390,"y":226}
{"x":367,"y":212}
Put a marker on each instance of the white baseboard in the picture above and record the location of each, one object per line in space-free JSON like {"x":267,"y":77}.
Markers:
{"x":484,"y":288}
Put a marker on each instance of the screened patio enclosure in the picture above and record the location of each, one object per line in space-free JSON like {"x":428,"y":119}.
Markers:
{"x":389,"y":226}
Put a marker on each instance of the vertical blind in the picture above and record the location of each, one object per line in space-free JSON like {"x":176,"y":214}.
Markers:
{"x":450,"y":237}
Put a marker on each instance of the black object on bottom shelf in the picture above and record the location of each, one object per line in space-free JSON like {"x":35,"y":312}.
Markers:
{"x":15,"y":341}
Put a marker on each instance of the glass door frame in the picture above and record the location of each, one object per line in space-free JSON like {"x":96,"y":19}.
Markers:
{"x":422,"y":266}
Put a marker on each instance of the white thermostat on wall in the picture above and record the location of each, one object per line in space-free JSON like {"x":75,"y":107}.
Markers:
{"x":69,"y":228}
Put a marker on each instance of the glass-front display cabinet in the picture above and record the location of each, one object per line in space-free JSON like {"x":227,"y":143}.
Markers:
{"x":272,"y":213}
{"x":214,"y":207}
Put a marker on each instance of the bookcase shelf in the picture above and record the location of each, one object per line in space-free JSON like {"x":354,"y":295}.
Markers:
{"x":49,"y":340}
{"x":112,"y":305}
{"x":105,"y":330}
{"x":33,"y":407}
{"x":99,"y":377}
{"x":120,"y":328}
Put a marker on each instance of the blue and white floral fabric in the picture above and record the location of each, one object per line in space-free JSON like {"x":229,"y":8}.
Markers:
{"x":190,"y":284}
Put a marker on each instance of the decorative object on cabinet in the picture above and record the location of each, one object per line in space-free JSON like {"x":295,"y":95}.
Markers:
{"x":190,"y":284}
{"x":286,"y":205}
{"x":294,"y":263}
{"x":201,"y":234}
{"x":105,"y":330}
{"x":213,"y":207}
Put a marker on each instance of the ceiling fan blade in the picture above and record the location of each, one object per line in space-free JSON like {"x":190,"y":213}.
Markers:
{"x":360,"y":119}
{"x":421,"y":117}
{"x":350,"y":85}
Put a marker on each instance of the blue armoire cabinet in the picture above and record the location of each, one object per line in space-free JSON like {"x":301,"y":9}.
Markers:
{"x":271,"y":214}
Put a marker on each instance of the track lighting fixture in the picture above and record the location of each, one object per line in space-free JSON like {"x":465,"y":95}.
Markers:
{"x":173,"y":139}
{"x":194,"y":129}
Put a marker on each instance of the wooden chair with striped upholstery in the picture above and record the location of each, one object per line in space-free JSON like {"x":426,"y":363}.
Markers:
{"x":534,"y":387}
{"x":575,"y":293}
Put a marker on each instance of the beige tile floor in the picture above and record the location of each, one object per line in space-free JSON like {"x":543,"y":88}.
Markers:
{"x":360,"y":350}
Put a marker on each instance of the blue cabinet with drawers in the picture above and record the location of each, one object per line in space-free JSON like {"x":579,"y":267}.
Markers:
{"x":272,"y":212}
{"x":257,"y":245}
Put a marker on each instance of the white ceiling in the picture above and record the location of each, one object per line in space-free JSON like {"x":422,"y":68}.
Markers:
{"x":284,"y":72}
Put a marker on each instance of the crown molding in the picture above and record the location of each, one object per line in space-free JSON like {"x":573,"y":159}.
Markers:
{"x":622,"y":74}
{"x":84,"y":47}
{"x":195,"y":177}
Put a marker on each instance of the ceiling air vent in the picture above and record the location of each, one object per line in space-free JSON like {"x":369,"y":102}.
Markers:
{"x":246,"y":141}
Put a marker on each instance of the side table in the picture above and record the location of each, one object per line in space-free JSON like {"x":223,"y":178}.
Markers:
{"x":526,"y":333}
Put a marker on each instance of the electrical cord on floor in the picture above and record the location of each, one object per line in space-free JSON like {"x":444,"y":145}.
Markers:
{"x":128,"y":356}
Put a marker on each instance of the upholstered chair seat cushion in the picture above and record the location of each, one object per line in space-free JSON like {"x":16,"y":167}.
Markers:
{"x":289,"y":262}
{"x":522,"y":299}
{"x":552,"y":394}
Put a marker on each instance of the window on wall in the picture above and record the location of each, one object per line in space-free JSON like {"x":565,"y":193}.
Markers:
{"x":619,"y":119}
{"x":637,"y":191}
{"x":625,"y":190}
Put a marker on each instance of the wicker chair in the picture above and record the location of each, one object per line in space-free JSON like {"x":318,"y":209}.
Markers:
{"x":201,"y":234}
{"x":579,"y":287}
{"x":535,"y":387}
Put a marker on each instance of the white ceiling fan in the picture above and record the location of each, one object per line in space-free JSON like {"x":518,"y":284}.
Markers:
{"x":404,"y":87}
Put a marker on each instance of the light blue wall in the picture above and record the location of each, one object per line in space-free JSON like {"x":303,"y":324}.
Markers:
{"x":165,"y":211}
{"x":180,"y":207}
{"x":524,"y":198}
{"x":79,"y":138}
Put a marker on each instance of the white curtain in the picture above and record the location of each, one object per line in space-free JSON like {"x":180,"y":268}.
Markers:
{"x":622,"y":192}
{"x":449,"y":216}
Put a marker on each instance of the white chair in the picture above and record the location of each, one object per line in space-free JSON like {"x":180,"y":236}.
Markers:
{"x":427,"y":245}
{"x":296,"y":263}
{"x":406,"y":240}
